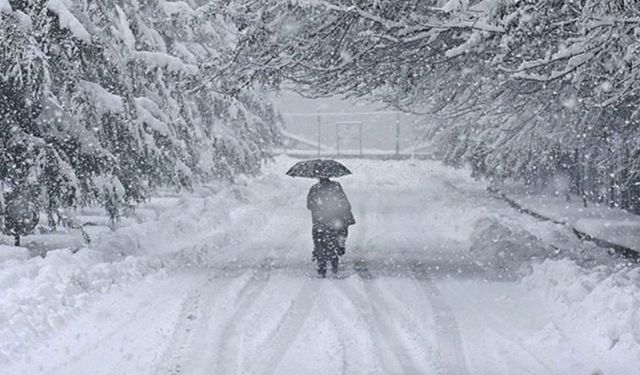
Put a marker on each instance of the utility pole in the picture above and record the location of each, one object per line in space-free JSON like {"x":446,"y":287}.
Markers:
{"x":414,"y":136}
{"x":360,"y":138}
{"x":319,"y":130}
{"x":397,"y":134}
{"x":338,"y":138}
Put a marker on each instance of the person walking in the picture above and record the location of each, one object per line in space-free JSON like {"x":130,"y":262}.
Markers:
{"x":330,"y":209}
{"x":331,"y":217}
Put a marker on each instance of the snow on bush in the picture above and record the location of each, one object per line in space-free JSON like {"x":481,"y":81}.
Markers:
{"x":68,"y":20}
{"x":5,"y":7}
{"x":587,"y":287}
{"x":604,"y":298}
{"x":176,"y":8}
{"x":184,"y":223}
{"x":12,"y":252}
{"x":40,"y":295}
{"x":150,"y":114}
{"x":502,"y":248}
{"x":163,"y":60}
{"x":107,"y":102}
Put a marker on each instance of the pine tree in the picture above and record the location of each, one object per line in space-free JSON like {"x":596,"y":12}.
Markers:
{"x":103,"y":102}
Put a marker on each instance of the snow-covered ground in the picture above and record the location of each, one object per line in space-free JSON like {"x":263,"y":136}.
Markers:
{"x":439,"y":278}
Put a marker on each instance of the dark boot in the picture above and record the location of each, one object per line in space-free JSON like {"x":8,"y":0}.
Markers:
{"x":322,"y":268}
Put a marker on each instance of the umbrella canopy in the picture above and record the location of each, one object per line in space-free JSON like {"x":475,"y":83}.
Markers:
{"x":318,"y":168}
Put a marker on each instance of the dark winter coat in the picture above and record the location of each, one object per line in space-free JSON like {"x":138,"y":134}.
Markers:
{"x":329,"y":205}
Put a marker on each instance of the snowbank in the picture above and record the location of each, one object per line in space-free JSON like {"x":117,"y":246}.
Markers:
{"x":218,"y":223}
{"x":13,"y":252}
{"x":605,"y":298}
{"x":504,"y":249}
{"x":44,"y":293}
{"x":584,"y":285}
{"x":41,"y":295}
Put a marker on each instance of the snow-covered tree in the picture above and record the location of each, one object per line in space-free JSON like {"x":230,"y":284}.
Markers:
{"x":523,"y":89}
{"x":104,"y":100}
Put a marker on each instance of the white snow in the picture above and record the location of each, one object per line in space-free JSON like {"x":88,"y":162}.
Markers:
{"x":220,"y":281}
{"x":105,"y":101}
{"x":176,"y":8}
{"x":13,"y":253}
{"x":150,"y":113}
{"x":599,"y":306}
{"x":505,"y":248}
{"x":185,"y":53}
{"x":598,"y":220}
{"x":40,"y":296}
{"x":68,"y":20}
{"x":163,"y":60}
{"x":124,"y":31}
{"x":25,"y":20}
{"x":60,"y":123}
{"x":5,"y":7}
{"x":455,"y":5}
{"x":474,"y":40}
{"x":109,"y":183}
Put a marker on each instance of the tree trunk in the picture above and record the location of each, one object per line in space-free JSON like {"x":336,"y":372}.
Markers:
{"x":574,"y":172}
{"x":625,"y":185}
{"x":584,"y":179}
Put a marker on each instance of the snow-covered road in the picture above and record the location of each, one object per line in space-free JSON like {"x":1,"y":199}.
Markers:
{"x":410,"y":298}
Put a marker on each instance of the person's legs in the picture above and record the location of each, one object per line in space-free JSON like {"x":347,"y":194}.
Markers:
{"x":342,"y":240}
{"x":322,"y":268}
{"x":333,"y":246}
{"x":317,"y":233}
{"x":334,"y":264}
{"x":328,"y":246}
{"x":320,"y":241}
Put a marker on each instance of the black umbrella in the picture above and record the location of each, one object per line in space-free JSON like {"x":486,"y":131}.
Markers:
{"x":318,"y":168}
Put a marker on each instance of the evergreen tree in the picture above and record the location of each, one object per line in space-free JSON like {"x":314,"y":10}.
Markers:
{"x":103,"y":101}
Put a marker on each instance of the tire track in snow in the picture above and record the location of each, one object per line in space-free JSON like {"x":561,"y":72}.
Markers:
{"x":342,"y":327}
{"x":451,"y":360}
{"x":137,"y":316}
{"x":377,"y":316}
{"x":383,"y":334}
{"x":513,"y":339}
{"x":228,"y":354}
{"x":183,"y":333}
{"x":287,"y":329}
{"x":190,"y":332}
